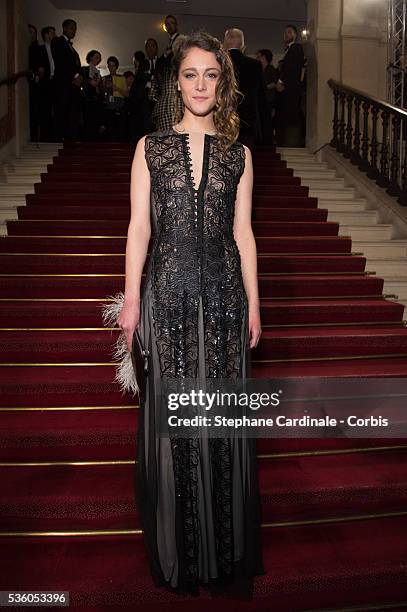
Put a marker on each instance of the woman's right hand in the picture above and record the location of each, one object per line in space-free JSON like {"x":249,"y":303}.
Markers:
{"x":128,"y":320}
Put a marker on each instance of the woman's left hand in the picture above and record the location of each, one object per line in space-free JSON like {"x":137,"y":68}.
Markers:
{"x":254,"y":326}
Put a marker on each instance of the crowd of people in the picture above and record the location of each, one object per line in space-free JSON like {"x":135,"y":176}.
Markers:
{"x":71,"y":101}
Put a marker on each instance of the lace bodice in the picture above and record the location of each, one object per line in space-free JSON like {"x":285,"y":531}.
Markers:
{"x":194,"y":252}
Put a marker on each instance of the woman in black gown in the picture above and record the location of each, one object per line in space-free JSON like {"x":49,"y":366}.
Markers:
{"x":198,"y":314}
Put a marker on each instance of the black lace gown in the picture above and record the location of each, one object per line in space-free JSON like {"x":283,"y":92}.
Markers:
{"x":198,"y":498}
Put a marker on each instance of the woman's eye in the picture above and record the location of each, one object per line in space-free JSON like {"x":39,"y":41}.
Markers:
{"x":189,"y":75}
{"x":213,"y":75}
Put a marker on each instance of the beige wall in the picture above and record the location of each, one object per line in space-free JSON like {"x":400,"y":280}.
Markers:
{"x":348,"y":42}
{"x":22,"y":115}
{"x":13,"y":99}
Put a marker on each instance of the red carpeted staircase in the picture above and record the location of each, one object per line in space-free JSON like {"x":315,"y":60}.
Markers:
{"x":334,"y":511}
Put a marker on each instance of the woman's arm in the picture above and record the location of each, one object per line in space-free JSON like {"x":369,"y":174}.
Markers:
{"x":245,"y":241}
{"x":138,"y":237}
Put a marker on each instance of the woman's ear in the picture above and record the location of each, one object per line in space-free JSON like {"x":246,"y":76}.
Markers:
{"x":178,"y":87}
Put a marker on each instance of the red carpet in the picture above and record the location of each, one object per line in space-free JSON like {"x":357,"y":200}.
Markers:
{"x":334,"y":511}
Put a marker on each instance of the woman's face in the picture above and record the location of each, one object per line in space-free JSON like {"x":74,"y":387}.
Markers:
{"x":197,"y":78}
{"x":112,"y":67}
{"x":96,"y":59}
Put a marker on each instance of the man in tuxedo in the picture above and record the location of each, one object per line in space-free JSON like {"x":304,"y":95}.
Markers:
{"x":161,"y":92}
{"x":68,"y":82}
{"x":253,"y":108}
{"x":137,"y":100}
{"x":288,"y":100}
{"x":150,"y":64}
{"x":271,"y":74}
{"x":150,"y":67}
{"x":46,"y":70}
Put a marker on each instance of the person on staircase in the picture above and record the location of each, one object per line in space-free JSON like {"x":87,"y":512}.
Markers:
{"x":252,"y":109}
{"x":271,"y":74}
{"x":150,"y":67}
{"x":46,"y":70}
{"x":68,"y":82}
{"x":288,"y":103}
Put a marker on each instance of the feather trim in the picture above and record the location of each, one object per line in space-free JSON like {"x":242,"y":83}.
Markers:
{"x":125,"y":373}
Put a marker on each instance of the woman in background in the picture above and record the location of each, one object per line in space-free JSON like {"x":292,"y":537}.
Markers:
{"x":92,"y":96}
{"x":116,"y":92}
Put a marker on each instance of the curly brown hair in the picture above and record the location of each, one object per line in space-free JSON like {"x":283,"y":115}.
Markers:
{"x":225,"y":117}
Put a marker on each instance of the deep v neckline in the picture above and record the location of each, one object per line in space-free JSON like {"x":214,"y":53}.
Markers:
{"x":197,"y":189}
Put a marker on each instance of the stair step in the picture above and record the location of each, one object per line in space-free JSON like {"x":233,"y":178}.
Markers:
{"x":260,"y":213}
{"x":8,"y":213}
{"x":309,"y":559}
{"x":32,"y":162}
{"x":303,"y":151}
{"x":389,"y":266}
{"x":376,"y":248}
{"x":93,"y":385}
{"x":292,"y":157}
{"x":287,"y":344}
{"x":354,"y":217}
{"x":12,"y":200}
{"x":382,"y":231}
{"x":109,"y":264}
{"x":316,"y":174}
{"x":100,"y":286}
{"x":104,"y":199}
{"x":330,"y":342}
{"x":329,"y":245}
{"x":355,"y":204}
{"x":281,"y":186}
{"x":30,"y":174}
{"x":334,"y":184}
{"x":293,"y":489}
{"x":59,"y":313}
{"x":107,"y":433}
{"x":9,"y":190}
{"x":346,"y":193}
{"x":306,"y":165}
{"x":119,"y":227}
{"x":396,"y":285}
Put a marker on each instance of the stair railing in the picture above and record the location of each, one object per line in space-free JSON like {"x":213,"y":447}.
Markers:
{"x":372,"y":134}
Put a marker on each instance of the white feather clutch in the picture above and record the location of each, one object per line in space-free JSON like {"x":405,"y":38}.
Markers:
{"x":125,"y":374}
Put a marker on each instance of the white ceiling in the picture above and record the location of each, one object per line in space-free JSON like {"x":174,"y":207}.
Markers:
{"x":285,"y":10}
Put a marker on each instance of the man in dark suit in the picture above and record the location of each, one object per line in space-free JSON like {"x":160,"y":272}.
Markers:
{"x":288,"y":101}
{"x":150,"y":67}
{"x":68,"y":81}
{"x":137,"y":101}
{"x":253,"y":108}
{"x":46,"y":71}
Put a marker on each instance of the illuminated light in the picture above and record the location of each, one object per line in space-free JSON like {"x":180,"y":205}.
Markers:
{"x":164,"y":27}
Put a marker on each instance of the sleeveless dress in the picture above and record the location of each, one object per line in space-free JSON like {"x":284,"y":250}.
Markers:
{"x":198,"y":498}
